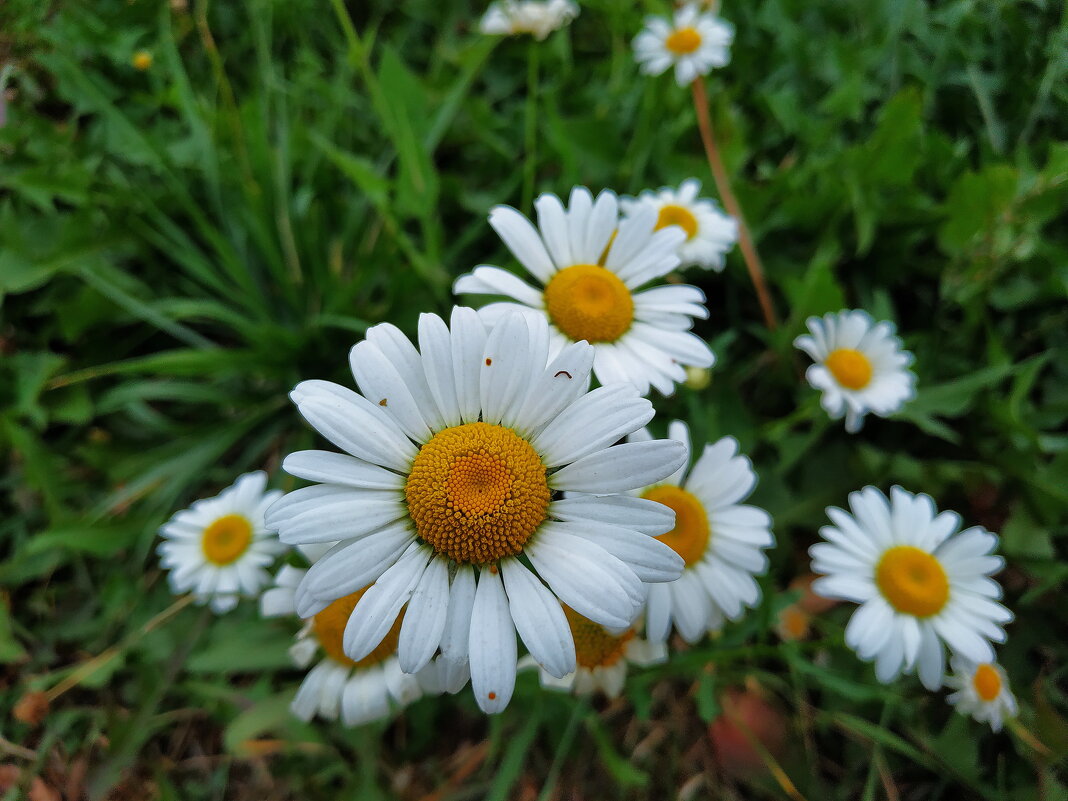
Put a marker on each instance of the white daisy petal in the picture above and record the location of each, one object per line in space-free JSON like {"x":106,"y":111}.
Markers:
{"x":377,"y":610}
{"x":378,"y":378}
{"x":587,"y":578}
{"x":461,"y":597}
{"x":523,"y":240}
{"x":648,"y":517}
{"x":354,"y":424}
{"x":539,"y":619}
{"x":424,"y":621}
{"x":592,"y":423}
{"x":492,"y":645}
{"x":621,"y":467}
{"x":338,"y":468}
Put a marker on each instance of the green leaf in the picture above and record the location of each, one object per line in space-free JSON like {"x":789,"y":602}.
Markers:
{"x":975,"y":204}
{"x":263,"y":716}
{"x":954,"y":398}
{"x":96,"y":539}
{"x":10,"y":649}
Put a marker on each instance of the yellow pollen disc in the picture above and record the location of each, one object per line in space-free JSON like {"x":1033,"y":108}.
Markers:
{"x":987,"y":683}
{"x":673,"y":214}
{"x":912,"y":581}
{"x":689,"y":538}
{"x":683,"y":41}
{"x":594,"y":645}
{"x":330,"y":625}
{"x":477,"y":492}
{"x":586,"y":301}
{"x":226,"y":539}
{"x":850,"y":368}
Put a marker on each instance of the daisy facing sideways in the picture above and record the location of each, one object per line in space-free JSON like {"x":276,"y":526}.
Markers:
{"x":694,"y":42}
{"x":602,"y":657}
{"x":538,"y":18}
{"x":357,"y":692}
{"x":721,"y":540}
{"x":982,"y":691}
{"x":589,"y":266}
{"x":919,"y":582}
{"x":709,"y":232}
{"x":219,"y":547}
{"x":456,"y":455}
{"x":859,"y":366}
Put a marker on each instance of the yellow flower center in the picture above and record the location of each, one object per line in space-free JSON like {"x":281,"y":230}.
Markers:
{"x":587,"y":301}
{"x":673,"y":214}
{"x":850,"y":368}
{"x":683,"y":41}
{"x":689,"y":538}
{"x":142,"y":60}
{"x":330,"y":625}
{"x":912,"y":581}
{"x":477,"y":492}
{"x":987,"y":682}
{"x":226,"y":539}
{"x":594,"y":645}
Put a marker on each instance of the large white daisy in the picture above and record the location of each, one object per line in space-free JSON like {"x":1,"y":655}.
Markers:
{"x":860,"y":366}
{"x":602,"y":657}
{"x":358,"y":692}
{"x":448,"y":499}
{"x":709,"y":232}
{"x":538,"y":18}
{"x":219,"y":547}
{"x":721,"y":540}
{"x":982,"y":691}
{"x":694,"y":42}
{"x":918,"y":581}
{"x":590,"y":265}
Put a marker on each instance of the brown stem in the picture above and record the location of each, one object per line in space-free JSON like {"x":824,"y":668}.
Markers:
{"x":730,"y":202}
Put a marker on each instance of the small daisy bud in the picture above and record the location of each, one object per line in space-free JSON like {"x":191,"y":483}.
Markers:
{"x":31,"y":708}
{"x":698,"y":378}
{"x":142,"y":60}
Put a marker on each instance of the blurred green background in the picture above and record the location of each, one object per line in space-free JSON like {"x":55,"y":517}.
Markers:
{"x":181,"y":241}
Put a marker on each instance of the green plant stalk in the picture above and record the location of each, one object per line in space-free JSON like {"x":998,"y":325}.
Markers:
{"x":530,"y":127}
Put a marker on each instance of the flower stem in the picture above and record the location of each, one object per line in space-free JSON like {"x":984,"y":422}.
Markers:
{"x":730,"y":202}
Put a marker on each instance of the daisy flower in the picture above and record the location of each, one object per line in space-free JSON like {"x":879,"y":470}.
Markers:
{"x":709,"y":232}
{"x":602,"y":656}
{"x":982,"y":691}
{"x":448,"y":498}
{"x":358,"y":691}
{"x":919,"y":582}
{"x":694,"y":42}
{"x":589,"y":265}
{"x":859,"y":366}
{"x":720,"y":540}
{"x":539,"y":19}
{"x":218,"y":547}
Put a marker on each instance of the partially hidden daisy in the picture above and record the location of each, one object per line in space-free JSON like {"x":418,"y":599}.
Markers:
{"x":538,"y":18}
{"x":356,"y":691}
{"x":694,"y":42}
{"x":448,"y":498}
{"x":709,"y":232}
{"x":721,"y":540}
{"x":219,"y":547}
{"x":919,"y":582}
{"x":860,"y":366}
{"x":982,"y":691}
{"x":602,"y":657}
{"x":590,"y":265}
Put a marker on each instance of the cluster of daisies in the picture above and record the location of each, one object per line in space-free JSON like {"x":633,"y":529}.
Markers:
{"x":492,"y":482}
